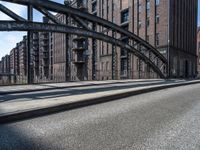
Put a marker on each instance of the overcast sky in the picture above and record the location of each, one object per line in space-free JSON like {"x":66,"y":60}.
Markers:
{"x":8,"y":40}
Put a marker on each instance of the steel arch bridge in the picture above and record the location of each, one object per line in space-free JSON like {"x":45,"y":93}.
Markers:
{"x":139,"y":47}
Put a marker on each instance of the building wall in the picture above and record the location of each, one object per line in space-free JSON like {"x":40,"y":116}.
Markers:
{"x":12,"y":65}
{"x":6,"y":64}
{"x":36,"y":58}
{"x":1,"y":67}
{"x":116,"y":63}
{"x":12,"y":61}
{"x":168,"y":25}
{"x":182,"y":44}
{"x":5,"y":69}
{"x":51,"y":56}
{"x":198,"y":51}
{"x":16,"y":60}
{"x":59,"y":53}
{"x":23,"y":60}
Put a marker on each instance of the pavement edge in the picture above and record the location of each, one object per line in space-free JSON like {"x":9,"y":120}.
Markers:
{"x":20,"y":116}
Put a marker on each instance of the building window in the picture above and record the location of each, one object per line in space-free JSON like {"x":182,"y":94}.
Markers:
{"x":102,"y":48}
{"x":148,"y":21}
{"x":139,"y":24}
{"x":148,"y":7}
{"x":124,"y":16}
{"x":107,"y":9}
{"x":102,"y":66}
{"x":139,"y":8}
{"x":126,"y":27}
{"x":157,"y":18}
{"x":123,"y":52}
{"x":126,"y":41}
{"x":102,"y":11}
{"x":157,"y":39}
{"x":94,"y":6}
{"x":148,"y":4}
{"x":138,"y":64}
{"x":106,"y":66}
{"x":157,"y":2}
{"x":148,"y":12}
{"x":123,"y":66}
{"x":147,"y":38}
{"x":107,"y":48}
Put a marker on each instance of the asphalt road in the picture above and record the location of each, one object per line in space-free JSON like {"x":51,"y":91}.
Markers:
{"x":163,"y":120}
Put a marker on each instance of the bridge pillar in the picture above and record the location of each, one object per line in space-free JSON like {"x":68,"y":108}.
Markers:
{"x":29,"y":50}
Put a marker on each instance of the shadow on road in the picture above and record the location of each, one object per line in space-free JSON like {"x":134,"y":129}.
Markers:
{"x":16,"y":138}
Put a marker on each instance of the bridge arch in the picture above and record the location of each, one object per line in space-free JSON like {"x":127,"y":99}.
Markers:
{"x":137,"y":46}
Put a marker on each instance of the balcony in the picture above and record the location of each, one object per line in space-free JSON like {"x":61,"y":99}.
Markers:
{"x":123,"y":73}
{"x":124,"y":54}
{"x":45,"y":43}
{"x":79,"y":60}
{"x":123,"y":57}
{"x":77,"y":39}
{"x":79,"y":49}
{"x":94,"y":6}
{"x":82,"y":7}
{"x":45,"y":55}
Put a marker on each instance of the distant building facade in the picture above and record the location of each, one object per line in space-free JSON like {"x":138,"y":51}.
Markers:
{"x":168,"y":25}
{"x":22,"y":46}
{"x":59,"y":53}
{"x":6,"y":64}
{"x":41,"y":55}
{"x":198,"y":50}
{"x":69,"y":52}
{"x":1,"y":70}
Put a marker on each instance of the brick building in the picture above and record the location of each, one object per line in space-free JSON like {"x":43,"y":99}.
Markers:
{"x":170,"y":26}
{"x":22,"y":46}
{"x":2,"y":65}
{"x":41,"y":55}
{"x":6,"y":64}
{"x":14,"y":64}
{"x":36,"y":45}
{"x":5,"y":69}
{"x":198,"y":50}
{"x":1,"y":68}
{"x":44,"y":53}
{"x":59,"y":53}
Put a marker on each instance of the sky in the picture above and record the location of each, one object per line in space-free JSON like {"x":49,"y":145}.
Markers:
{"x":8,"y":40}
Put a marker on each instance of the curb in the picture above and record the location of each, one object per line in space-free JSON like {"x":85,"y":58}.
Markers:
{"x":19,"y":116}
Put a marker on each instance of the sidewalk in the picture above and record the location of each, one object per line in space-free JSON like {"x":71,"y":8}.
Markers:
{"x":32,"y":104}
{"x":52,"y":86}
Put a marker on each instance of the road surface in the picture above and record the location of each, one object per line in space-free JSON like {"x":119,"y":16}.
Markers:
{"x":162,"y":120}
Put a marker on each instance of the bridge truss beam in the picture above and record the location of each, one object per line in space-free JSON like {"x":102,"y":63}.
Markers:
{"x":136,"y":45}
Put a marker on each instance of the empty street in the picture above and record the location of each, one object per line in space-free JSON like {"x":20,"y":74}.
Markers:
{"x":166,"y":119}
